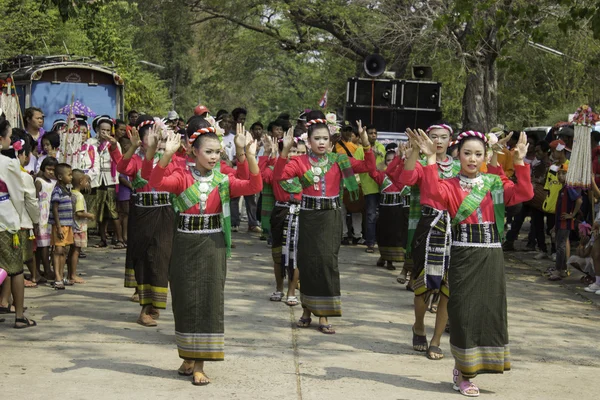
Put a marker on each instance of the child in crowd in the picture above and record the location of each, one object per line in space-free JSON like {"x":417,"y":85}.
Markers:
{"x":567,"y":207}
{"x":80,"y":217}
{"x":44,"y":185}
{"x":50,"y":144}
{"x":582,"y":259}
{"x":31,"y":212}
{"x":553,"y":187}
{"x":61,"y":219}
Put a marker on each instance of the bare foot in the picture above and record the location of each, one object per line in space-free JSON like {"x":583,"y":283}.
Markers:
{"x":77,"y":279}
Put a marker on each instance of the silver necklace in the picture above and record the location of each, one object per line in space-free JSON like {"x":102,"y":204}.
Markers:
{"x":467,"y":184}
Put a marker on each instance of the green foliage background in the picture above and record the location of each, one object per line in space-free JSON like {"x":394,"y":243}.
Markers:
{"x":225,"y":66}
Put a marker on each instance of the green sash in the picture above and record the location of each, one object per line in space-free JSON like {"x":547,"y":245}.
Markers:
{"x":266,"y":208}
{"x":292,"y":186}
{"x":414,"y":213}
{"x":191,"y":196}
{"x":348,"y":178}
{"x":138,"y":181}
{"x":493,"y":184}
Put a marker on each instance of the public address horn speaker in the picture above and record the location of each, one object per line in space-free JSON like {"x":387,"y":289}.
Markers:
{"x":374,"y":65}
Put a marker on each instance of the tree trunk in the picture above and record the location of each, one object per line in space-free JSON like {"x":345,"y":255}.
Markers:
{"x":480,"y":102}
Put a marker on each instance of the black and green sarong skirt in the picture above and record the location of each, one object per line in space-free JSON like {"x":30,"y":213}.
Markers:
{"x":392,"y":227}
{"x":477,"y":308}
{"x":197,"y":276}
{"x":154,"y":221}
{"x":132,"y":232}
{"x":319,"y":243}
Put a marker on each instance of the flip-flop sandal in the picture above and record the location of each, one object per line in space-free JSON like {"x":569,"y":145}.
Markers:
{"x":326,"y":329}
{"x":101,"y":245}
{"x":58,"y":285}
{"x":401,"y":279}
{"x":31,"y":285}
{"x":435,"y":350}
{"x":303,"y":322}
{"x":419,"y":340}
{"x":119,"y":245}
{"x":28,"y":323}
{"x":200,"y":383}
{"x":370,"y":249}
{"x":6,"y":310}
{"x":292,"y":301}
{"x":464,"y":386}
{"x":276,"y":296}
{"x":186,"y":372}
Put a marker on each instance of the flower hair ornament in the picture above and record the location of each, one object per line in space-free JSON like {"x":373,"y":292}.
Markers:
{"x":215,"y":124}
{"x":440,"y":126}
{"x":17,"y":146}
{"x":199,"y":132}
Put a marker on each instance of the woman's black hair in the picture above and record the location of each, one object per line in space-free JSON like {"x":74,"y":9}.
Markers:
{"x":544,"y":146}
{"x":4,"y":128}
{"x":142,"y":131}
{"x":53,"y":137}
{"x":196,"y":123}
{"x":391,"y":146}
{"x":26,"y":137}
{"x":17,"y":135}
{"x":30,"y":112}
{"x":48,"y":162}
{"x":316,"y":114}
{"x":468,"y":139}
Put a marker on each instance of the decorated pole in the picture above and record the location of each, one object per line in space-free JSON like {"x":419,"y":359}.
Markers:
{"x":579,"y":174}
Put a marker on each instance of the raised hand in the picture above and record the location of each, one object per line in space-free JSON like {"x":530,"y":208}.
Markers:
{"x":134,"y":137}
{"x":405,"y":149}
{"x":288,"y":140}
{"x":501,"y":145}
{"x":251,"y":148}
{"x":267,"y":144}
{"x":521,"y":148}
{"x":173,"y":143}
{"x":274,"y":147}
{"x":421,"y":141}
{"x":153,"y":138}
{"x":108,"y":138}
{"x":240,"y":137}
{"x":362,"y":132}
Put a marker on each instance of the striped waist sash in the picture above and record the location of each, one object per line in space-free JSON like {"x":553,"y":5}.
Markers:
{"x":476,"y":235}
{"x":394,"y":199}
{"x":430,"y":211}
{"x":202,"y":224}
{"x":320,"y":203}
{"x":152,"y":199}
{"x":4,"y":197}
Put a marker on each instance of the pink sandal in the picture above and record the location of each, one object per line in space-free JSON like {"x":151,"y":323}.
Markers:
{"x":465,"y":386}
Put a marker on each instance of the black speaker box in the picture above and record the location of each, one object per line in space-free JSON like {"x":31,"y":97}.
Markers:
{"x":384,"y":92}
{"x":390,"y":119}
{"x":421,"y":95}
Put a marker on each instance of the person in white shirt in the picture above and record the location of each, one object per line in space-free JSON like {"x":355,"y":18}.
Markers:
{"x":12,"y":208}
{"x":106,"y":182}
